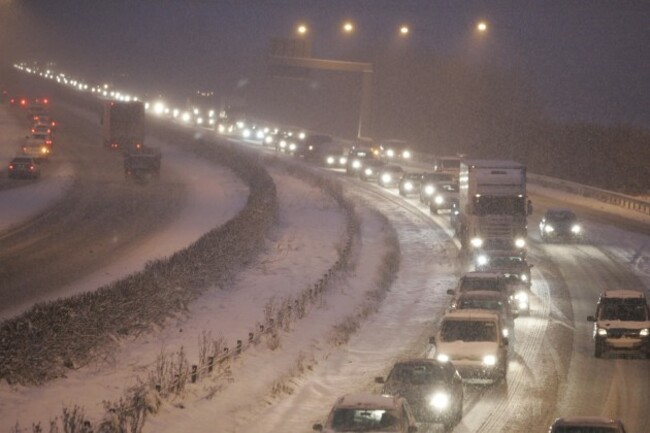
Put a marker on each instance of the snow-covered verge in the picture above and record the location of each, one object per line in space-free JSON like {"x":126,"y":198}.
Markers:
{"x":53,"y":337}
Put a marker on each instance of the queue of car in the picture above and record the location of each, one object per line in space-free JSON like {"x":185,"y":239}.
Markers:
{"x":37,"y":145}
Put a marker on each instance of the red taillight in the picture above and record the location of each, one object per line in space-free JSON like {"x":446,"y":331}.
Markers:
{"x":31,"y":167}
{"x":53,"y":123}
{"x":11,"y":166}
{"x":45,"y":101}
{"x":33,"y":130}
{"x":48,"y":142}
{"x":23,"y":102}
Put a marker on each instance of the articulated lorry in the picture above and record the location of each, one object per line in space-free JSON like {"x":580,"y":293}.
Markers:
{"x":493,"y":205}
{"x":123,"y":125}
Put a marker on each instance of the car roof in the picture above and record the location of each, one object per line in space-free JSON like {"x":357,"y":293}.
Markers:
{"x":591,"y":421}
{"x":366,"y":399}
{"x":623,"y":294}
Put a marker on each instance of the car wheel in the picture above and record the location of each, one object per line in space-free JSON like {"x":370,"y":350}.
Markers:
{"x":598,"y":350}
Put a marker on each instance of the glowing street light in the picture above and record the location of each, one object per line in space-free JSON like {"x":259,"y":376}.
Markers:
{"x":482,"y":26}
{"x":348,"y":27}
{"x":404,"y":30}
{"x":302,"y":29}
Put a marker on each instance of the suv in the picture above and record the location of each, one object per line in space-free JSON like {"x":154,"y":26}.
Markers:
{"x":366,"y":412}
{"x":433,"y":389}
{"x":490,"y":301}
{"x":473,"y":341}
{"x":590,"y":424}
{"x":410,"y":183}
{"x":25,"y":167}
{"x":621,"y":323}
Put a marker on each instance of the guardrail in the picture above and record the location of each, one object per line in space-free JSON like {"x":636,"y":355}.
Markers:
{"x":423,"y":160}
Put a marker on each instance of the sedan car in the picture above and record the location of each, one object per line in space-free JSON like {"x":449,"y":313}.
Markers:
{"x":410,"y":183}
{"x":24,"y":167}
{"x":389,"y":175}
{"x":433,"y":389}
{"x":364,"y":412}
{"x":371,"y":168}
{"x":560,"y":224}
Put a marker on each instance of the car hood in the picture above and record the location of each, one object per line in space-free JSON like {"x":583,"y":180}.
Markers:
{"x":467,"y":350}
{"x":416,"y":392}
{"x":623,"y":324}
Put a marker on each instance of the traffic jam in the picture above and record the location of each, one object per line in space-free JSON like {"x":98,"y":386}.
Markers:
{"x":484,"y":202}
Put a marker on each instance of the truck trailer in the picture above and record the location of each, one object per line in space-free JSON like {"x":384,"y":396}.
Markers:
{"x":492,"y":205}
{"x":123,"y":125}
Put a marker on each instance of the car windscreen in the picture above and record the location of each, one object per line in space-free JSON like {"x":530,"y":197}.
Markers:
{"x":468,"y":284}
{"x":481,"y":304}
{"x":468,"y":330}
{"x":417,"y":374}
{"x":584,"y":429}
{"x":364,"y":420}
{"x":449,"y":163}
{"x":560,"y":216}
{"x":624,"y":312}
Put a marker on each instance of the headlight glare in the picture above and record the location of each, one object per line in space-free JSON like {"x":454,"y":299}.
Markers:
{"x":644,"y":332}
{"x":520,"y":242}
{"x":442,"y":357}
{"x":576,"y":229}
{"x":408,"y":186}
{"x":386,"y":178}
{"x":429,"y":190}
{"x":477,"y":242}
{"x":482,"y":260}
{"x":602,"y":332}
{"x":548,"y":228}
{"x":489,"y":360}
{"x":439,"y":400}
{"x":439,"y":199}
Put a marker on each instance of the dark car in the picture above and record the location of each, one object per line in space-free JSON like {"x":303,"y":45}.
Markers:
{"x":356,"y":159}
{"x":433,"y":389}
{"x":389,"y":175}
{"x":24,"y":167}
{"x":371,"y":168}
{"x":410,"y":183}
{"x":587,"y":424}
{"x":560,"y":224}
{"x":428,"y":185}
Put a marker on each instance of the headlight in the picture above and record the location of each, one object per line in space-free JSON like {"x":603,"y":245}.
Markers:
{"x":386,"y":178}
{"x":429,"y":190}
{"x":283,"y":144}
{"x":602,"y":332}
{"x":330,"y":160}
{"x":644,"y":332}
{"x":343,"y":160}
{"x":390,"y":153}
{"x":524,"y":277}
{"x":408,"y":186}
{"x":406,"y":154}
{"x":368,"y":171}
{"x":520,"y":242}
{"x":356,"y":164}
{"x":489,"y":360}
{"x":548,"y":228}
{"x":576,"y":229}
{"x":442,"y":357}
{"x":268,"y":139}
{"x":477,"y":242}
{"x":521,"y":296}
{"x":505,"y":332}
{"x":439,"y":400}
{"x":292,"y":146}
{"x":222,"y":129}
{"x":439,"y":199}
{"x":246,"y":133}
{"x":482,"y":260}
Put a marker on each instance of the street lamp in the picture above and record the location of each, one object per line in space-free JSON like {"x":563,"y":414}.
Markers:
{"x":482,"y":26}
{"x":404,"y":30}
{"x":348,"y":27}
{"x":302,"y":29}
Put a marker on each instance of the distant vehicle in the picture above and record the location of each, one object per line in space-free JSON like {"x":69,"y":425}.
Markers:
{"x":560,"y":224}
{"x":433,"y":389}
{"x":494,"y":282}
{"x":586,"y":424}
{"x":35,"y":110}
{"x":621,"y":323}
{"x":18,"y":102}
{"x":142,"y":165}
{"x":123,"y":125}
{"x":428,"y":185}
{"x":36,"y":147}
{"x":391,"y":150}
{"x":364,"y":412}
{"x":410,"y":183}
{"x":317,"y":147}
{"x":390,"y":175}
{"x":449,"y":165}
{"x":356,"y":159}
{"x":487,"y":300}
{"x":45,"y":120}
{"x":473,"y":341}
{"x":24,"y":167}
{"x":371,"y":169}
{"x":515,"y":268}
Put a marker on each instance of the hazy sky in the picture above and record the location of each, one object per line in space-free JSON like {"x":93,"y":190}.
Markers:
{"x":590,"y":59}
